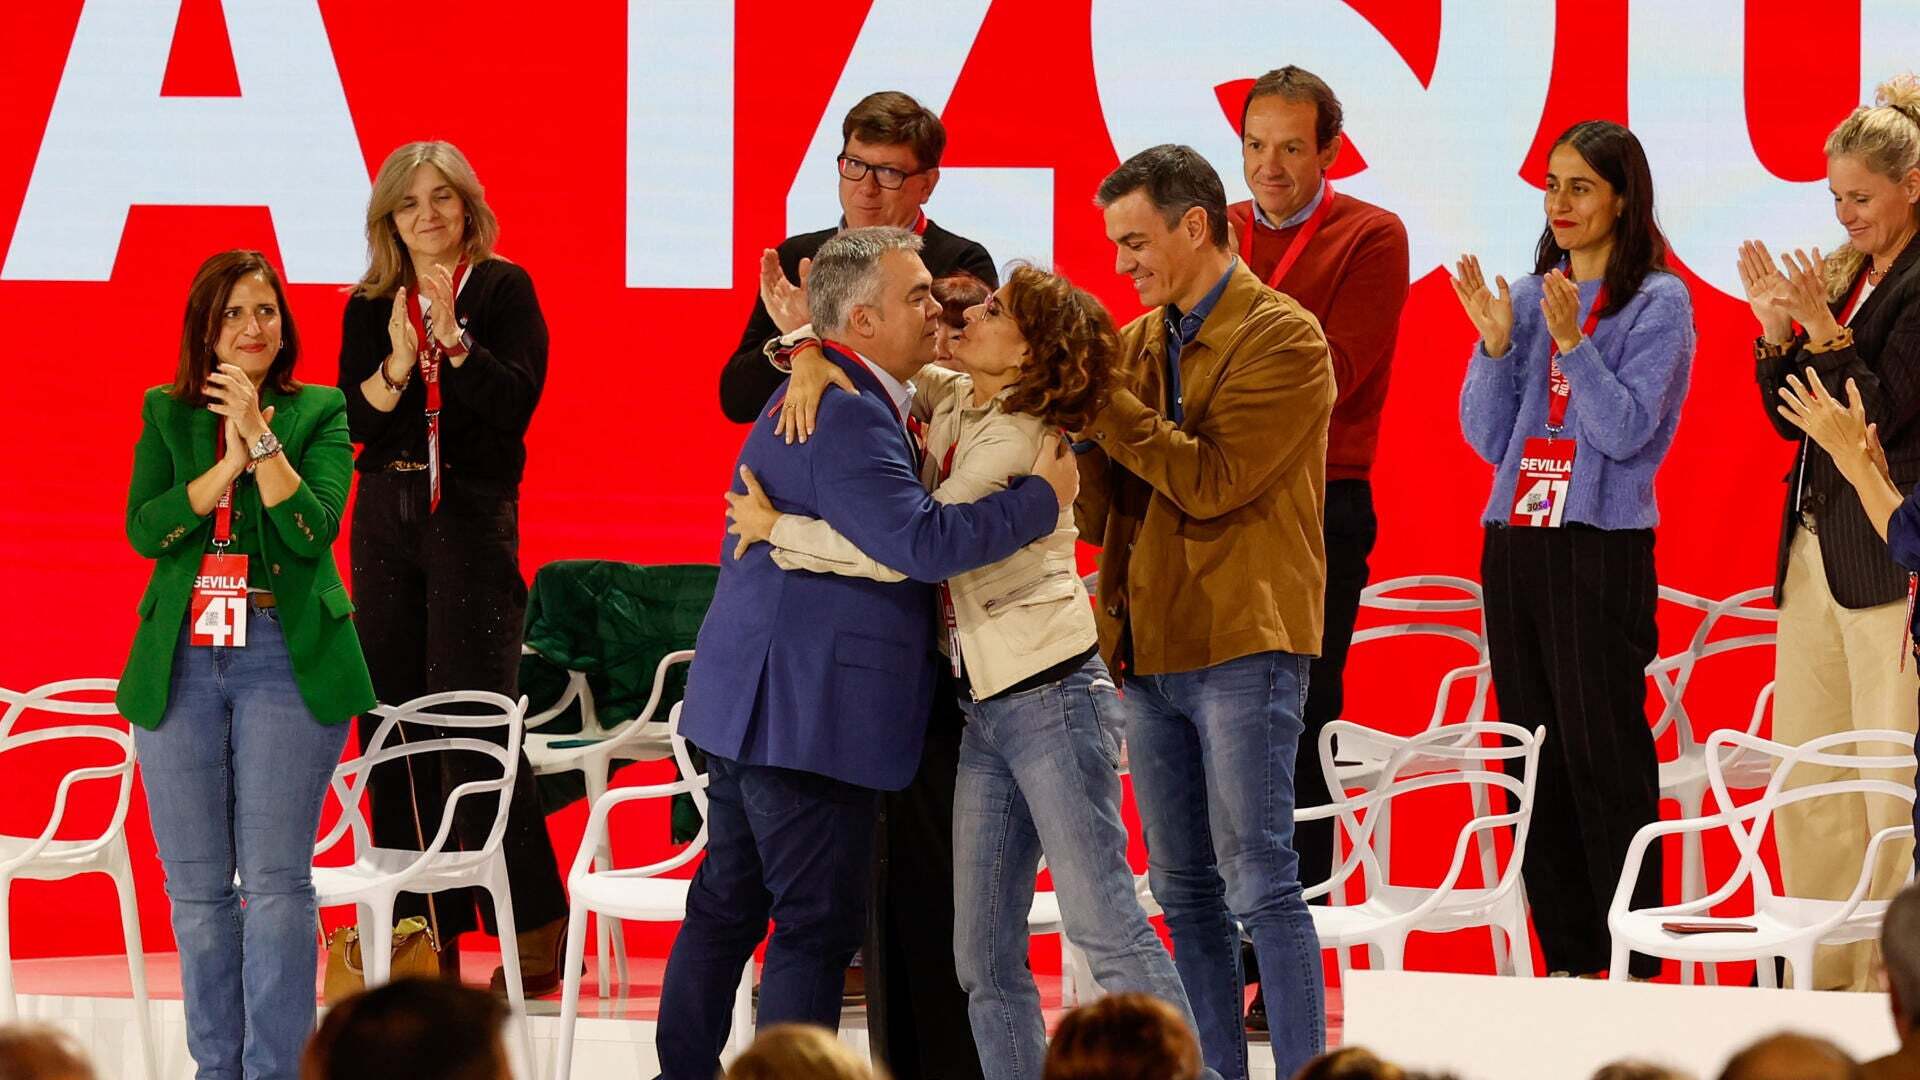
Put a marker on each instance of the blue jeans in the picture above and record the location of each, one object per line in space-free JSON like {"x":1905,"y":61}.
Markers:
{"x":1212,"y":754}
{"x":235,"y":777}
{"x":784,"y":844}
{"x":1038,"y":773}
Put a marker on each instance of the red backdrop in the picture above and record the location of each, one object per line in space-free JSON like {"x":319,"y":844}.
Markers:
{"x":628,"y":451}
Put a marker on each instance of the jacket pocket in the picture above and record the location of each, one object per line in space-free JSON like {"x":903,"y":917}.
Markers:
{"x":863,"y":651}
{"x":335,"y":600}
{"x":1047,"y":588}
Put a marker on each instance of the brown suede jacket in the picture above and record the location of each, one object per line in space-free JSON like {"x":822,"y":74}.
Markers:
{"x":1211,"y":528}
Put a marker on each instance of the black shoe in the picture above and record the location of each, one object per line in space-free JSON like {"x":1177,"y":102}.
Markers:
{"x":1257,"y":1013}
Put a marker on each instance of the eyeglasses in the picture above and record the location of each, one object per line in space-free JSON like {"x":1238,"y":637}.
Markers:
{"x":885,"y":175}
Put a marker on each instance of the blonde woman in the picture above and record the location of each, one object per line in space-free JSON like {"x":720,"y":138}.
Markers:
{"x":1842,"y":599}
{"x":442,"y":357}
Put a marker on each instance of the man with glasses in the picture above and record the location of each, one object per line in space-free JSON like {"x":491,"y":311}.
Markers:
{"x":889,"y":165}
{"x":916,"y":1012}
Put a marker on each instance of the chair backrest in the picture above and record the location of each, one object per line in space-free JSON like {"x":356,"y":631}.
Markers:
{"x":1429,"y":761}
{"x":65,"y":698}
{"x":1854,"y":752}
{"x":1673,"y":674}
{"x":691,"y":783}
{"x":1458,"y":596}
{"x":390,"y":742}
{"x":683,"y":760}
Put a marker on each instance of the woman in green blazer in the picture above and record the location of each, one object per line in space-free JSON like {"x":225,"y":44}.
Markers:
{"x":238,"y":737}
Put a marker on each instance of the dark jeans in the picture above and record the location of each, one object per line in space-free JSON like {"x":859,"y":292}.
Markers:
{"x":441,"y":606}
{"x":793,"y":846}
{"x":1570,"y":632}
{"x":1350,"y":530}
{"x":916,"y":1011}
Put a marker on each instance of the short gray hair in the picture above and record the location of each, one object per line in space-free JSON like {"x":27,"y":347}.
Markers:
{"x":846,"y":271}
{"x":1900,"y":946}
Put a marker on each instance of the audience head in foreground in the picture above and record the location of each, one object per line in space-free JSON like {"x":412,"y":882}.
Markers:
{"x":1629,"y":1069}
{"x":1123,"y":1037}
{"x":799,"y":1052}
{"x":1900,"y":946}
{"x":422,"y":1029}
{"x":30,"y":1052}
{"x":1791,"y":1056}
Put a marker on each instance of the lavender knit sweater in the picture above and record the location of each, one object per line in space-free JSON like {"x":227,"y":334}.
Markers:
{"x":1628,"y":381}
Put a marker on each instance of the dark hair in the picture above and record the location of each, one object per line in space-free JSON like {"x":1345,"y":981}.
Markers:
{"x":200,"y":327}
{"x":1296,"y":85}
{"x":1639,"y":247}
{"x":423,"y":1029}
{"x":891,"y":118}
{"x":955,"y":293}
{"x":1123,"y":1037}
{"x":1175,"y":179}
{"x":1075,"y":350}
{"x":1806,"y":1056}
{"x":35,"y":1052}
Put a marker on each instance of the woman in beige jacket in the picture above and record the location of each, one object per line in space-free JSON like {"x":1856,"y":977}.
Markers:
{"x":1039,"y":759}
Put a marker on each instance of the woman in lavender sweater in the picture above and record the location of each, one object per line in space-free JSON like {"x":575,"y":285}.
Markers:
{"x":1573,"y":394}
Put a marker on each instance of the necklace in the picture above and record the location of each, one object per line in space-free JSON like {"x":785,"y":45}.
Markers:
{"x":1874,"y":277}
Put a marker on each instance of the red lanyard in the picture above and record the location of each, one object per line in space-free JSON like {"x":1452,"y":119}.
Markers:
{"x":1559,"y":390}
{"x":223,"y":509}
{"x":1294,"y":247}
{"x":431,"y":353}
{"x":920,"y":224}
{"x":1853,"y":300}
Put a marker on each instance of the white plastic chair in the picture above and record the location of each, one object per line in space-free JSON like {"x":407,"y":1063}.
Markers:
{"x":1451,"y":756}
{"x":1683,"y":778}
{"x":377,"y":875}
{"x":44,"y":858}
{"x":1362,"y":751}
{"x":1785,"y":926}
{"x":639,"y":893}
{"x":591,"y":752}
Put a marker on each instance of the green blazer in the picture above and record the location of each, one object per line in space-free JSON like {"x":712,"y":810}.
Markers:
{"x":176,"y":445}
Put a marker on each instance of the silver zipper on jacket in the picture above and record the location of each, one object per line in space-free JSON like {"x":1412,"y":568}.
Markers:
{"x":1025,"y":590}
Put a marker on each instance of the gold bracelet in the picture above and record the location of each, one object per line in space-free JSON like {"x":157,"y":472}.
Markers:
{"x":1838,"y":341}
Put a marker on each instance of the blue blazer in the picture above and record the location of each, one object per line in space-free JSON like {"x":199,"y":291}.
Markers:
{"x":834,"y":675}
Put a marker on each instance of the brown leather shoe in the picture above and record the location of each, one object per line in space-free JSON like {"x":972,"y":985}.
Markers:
{"x":541,"y":951}
{"x":854,"y":991}
{"x":450,"y":961}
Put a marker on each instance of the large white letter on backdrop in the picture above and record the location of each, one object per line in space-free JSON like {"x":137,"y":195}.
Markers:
{"x":920,"y":48}
{"x":1688,"y":105}
{"x":680,"y":144}
{"x":1445,"y":156}
{"x":287,"y":142}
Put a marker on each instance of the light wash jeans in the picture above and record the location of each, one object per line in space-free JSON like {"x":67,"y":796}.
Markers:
{"x":1038,"y":774}
{"x":1212,"y":754}
{"x":235,"y":776}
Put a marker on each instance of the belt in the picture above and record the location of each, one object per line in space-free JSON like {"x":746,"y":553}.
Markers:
{"x":262,"y":600}
{"x":1809,"y":522}
{"x":405,"y":466}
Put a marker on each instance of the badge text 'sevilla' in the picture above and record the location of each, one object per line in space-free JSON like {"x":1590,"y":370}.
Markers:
{"x":1546,"y":465}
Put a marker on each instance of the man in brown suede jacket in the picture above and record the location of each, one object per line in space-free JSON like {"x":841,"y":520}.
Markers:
{"x":1203,"y":482}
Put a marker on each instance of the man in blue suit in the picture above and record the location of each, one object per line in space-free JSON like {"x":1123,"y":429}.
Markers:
{"x":809,"y":692}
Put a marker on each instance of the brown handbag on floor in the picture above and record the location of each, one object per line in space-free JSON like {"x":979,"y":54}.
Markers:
{"x":416,"y":945}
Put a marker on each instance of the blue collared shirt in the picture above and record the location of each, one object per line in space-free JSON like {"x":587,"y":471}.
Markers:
{"x":1181,"y":330}
{"x":1299,"y":216}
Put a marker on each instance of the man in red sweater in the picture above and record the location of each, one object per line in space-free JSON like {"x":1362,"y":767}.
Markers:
{"x":1346,"y":261}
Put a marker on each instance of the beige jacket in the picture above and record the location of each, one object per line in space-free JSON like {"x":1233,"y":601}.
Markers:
{"x":1016,"y":617}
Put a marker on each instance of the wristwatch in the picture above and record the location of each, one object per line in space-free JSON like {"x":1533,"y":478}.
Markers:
{"x":267,"y":445}
{"x":463,"y":346}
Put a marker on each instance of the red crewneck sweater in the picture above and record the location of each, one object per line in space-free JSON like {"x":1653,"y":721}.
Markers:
{"x":1353,"y":276}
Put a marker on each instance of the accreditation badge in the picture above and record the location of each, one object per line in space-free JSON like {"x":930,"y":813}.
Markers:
{"x":217,"y":613}
{"x":1540,"y":493}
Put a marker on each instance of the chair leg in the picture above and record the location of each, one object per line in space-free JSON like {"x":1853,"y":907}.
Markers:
{"x":570,"y":990}
{"x":1800,"y":963}
{"x":1519,"y":948}
{"x":122,"y":874}
{"x":496,"y":885}
{"x":376,"y":942}
{"x":1389,"y":953}
{"x":9,"y":1005}
{"x":1693,"y":872}
{"x":1763,"y":970}
{"x":1489,"y":874}
{"x":1617,"y":963}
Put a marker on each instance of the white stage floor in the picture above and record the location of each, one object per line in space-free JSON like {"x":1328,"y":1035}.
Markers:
{"x":1477,"y":1027}
{"x":89,"y":997}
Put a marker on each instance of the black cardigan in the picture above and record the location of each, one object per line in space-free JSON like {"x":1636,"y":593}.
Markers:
{"x":748,"y":380}
{"x":485,"y":404}
{"x":1884,"y":362}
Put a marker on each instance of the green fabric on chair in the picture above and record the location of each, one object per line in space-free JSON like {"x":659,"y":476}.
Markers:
{"x":612,"y":622}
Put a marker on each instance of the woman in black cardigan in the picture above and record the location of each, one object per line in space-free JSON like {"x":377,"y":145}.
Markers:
{"x":1842,"y":599}
{"x":441,"y":405}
